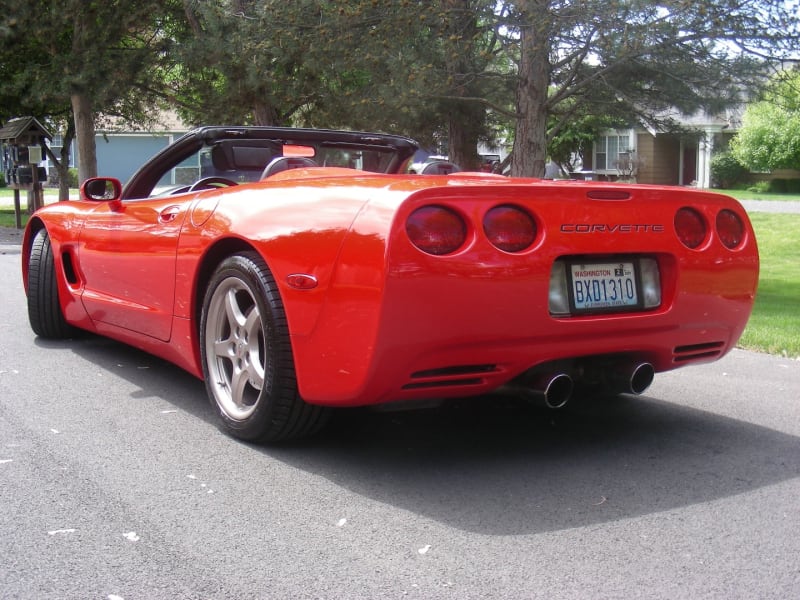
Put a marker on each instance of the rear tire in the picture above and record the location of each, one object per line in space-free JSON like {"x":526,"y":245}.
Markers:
{"x":247,"y":356}
{"x":44,"y":308}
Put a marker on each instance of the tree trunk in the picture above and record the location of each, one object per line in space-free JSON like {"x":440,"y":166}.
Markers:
{"x":466,"y":116}
{"x":463,"y":140}
{"x":84,"y":134}
{"x":61,"y":161}
{"x":530,"y":142}
{"x":264,"y":114}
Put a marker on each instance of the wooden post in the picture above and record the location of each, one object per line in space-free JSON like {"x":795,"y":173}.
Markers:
{"x":17,"y":215}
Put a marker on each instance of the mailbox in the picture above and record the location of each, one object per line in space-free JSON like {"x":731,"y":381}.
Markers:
{"x":24,"y":141}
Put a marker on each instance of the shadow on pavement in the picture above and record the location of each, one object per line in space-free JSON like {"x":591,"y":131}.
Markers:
{"x":497,"y":465}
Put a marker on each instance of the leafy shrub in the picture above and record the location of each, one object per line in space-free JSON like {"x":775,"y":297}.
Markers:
{"x":73,"y":178}
{"x":760,"y":187}
{"x":776,"y":186}
{"x":726,"y":171}
{"x":2,"y":179}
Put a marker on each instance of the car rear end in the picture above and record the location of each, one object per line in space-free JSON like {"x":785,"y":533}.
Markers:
{"x":525,"y":282}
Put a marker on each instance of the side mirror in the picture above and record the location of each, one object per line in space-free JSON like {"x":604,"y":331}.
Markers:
{"x":101,"y":189}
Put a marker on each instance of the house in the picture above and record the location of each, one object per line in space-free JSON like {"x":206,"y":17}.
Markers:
{"x":651,"y":156}
{"x":120,"y":152}
{"x":663,"y":158}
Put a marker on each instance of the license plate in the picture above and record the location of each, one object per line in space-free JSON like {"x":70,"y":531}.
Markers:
{"x":603,"y":286}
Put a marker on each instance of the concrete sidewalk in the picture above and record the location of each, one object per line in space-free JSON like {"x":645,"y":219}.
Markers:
{"x":771,"y":206}
{"x":10,"y":240}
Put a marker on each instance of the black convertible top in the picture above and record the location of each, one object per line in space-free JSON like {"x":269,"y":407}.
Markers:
{"x":270,"y":139}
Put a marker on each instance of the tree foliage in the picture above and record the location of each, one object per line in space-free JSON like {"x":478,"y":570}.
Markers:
{"x":247,"y":61}
{"x":406,"y":66}
{"x":448,"y":72}
{"x":77,"y":59}
{"x":574,"y":139}
{"x":726,"y":171}
{"x":769,"y":138}
{"x":636,"y":60}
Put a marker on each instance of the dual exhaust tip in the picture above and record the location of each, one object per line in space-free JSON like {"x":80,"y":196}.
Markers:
{"x":557,"y":388}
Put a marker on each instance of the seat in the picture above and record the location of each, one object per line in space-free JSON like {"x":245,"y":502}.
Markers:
{"x":284,"y":163}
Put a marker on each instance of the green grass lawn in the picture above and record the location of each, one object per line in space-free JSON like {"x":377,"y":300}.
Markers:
{"x":748,"y":195}
{"x":7,"y":217}
{"x":7,"y":196}
{"x":775,"y":324}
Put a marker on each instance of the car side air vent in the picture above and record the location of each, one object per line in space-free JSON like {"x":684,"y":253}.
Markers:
{"x":69,"y":269}
{"x":455,"y":376}
{"x":708,"y":350}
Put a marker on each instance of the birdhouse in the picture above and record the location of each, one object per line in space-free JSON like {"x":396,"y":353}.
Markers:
{"x":24,"y":142}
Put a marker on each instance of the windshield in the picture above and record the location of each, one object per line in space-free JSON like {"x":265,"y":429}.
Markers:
{"x":242,"y":154}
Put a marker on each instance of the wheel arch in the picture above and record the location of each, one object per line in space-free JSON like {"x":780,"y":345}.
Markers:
{"x":35,"y":225}
{"x":213,"y":257}
{"x":279,"y":413}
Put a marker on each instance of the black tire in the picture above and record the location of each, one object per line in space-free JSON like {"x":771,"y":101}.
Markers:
{"x":44,"y":309}
{"x":247,"y":356}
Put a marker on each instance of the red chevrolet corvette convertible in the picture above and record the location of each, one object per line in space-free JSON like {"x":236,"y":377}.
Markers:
{"x":299,"y":270}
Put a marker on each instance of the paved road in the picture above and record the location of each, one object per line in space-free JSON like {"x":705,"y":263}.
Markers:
{"x":116,"y":483}
{"x":771,"y":206}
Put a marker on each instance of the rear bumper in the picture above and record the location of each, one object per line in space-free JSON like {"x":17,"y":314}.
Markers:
{"x":422,"y":326}
{"x":448,"y":338}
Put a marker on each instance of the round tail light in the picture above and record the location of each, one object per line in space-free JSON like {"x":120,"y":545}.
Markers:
{"x":690,"y":227}
{"x":730,"y":228}
{"x":509,"y":228}
{"x":436,"y":230}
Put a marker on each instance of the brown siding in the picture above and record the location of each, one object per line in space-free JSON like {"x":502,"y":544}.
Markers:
{"x":777,"y":174}
{"x":660,"y":157}
{"x":645,"y":149}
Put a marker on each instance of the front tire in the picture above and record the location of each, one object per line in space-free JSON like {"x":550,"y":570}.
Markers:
{"x":44,"y":309}
{"x":247,"y":356}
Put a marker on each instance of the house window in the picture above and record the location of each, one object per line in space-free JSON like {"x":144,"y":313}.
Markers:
{"x":608,"y":151}
{"x":55,"y":147}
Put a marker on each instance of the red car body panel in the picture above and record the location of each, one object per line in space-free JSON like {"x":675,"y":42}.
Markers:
{"x":372,"y":318}
{"x":469,"y":322}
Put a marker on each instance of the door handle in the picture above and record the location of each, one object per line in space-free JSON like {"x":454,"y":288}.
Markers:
{"x":169,"y":214}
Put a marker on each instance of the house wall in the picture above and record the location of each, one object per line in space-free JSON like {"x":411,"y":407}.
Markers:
{"x":659,"y":156}
{"x":777,"y":174}
{"x":120,"y":155}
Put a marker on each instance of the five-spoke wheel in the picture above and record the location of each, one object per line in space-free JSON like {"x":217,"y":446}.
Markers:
{"x":247,"y":355}
{"x":235,"y":348}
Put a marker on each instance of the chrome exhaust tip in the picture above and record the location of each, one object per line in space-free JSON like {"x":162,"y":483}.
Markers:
{"x":556,"y":389}
{"x":629,"y":378}
{"x":640,"y":378}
